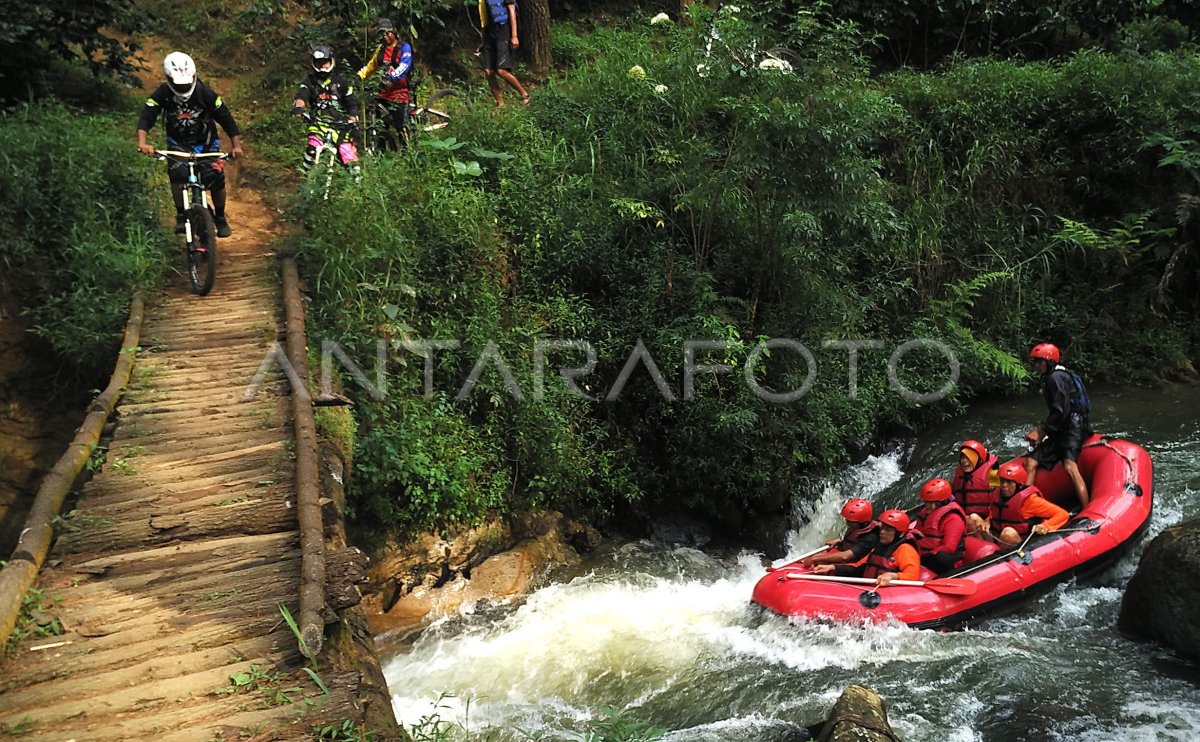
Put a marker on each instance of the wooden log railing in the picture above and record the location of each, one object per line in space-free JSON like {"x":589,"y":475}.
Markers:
{"x":34,"y":543}
{"x":308,"y":491}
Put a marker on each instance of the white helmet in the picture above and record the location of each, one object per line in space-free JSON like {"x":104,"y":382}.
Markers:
{"x":181,"y":74}
{"x":322,"y":59}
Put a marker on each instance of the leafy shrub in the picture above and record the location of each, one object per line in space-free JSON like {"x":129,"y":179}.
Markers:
{"x":81,"y":226}
{"x":734,"y":183}
{"x":71,"y":30}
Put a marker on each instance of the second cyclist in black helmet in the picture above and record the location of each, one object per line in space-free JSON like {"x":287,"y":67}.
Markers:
{"x":329,"y":99}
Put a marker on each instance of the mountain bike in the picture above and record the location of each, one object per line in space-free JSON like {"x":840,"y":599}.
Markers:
{"x":421,"y":119}
{"x":336,"y":139}
{"x":199,"y":229}
{"x":427,"y":118}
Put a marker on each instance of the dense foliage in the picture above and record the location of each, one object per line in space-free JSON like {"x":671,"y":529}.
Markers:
{"x":81,"y":230}
{"x":33,"y":34}
{"x":686,"y":184}
{"x":924,"y":33}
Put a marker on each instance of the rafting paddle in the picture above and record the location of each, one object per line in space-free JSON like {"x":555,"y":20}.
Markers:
{"x":805,"y":555}
{"x":947,"y":585}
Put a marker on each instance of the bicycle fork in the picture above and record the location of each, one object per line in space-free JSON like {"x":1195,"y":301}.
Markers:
{"x":189,"y":189}
{"x":338,"y":153}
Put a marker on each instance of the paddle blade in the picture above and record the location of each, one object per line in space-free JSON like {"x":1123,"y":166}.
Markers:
{"x":951,"y":586}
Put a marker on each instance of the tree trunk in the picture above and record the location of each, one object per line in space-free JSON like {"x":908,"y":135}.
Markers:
{"x":535,"y":35}
{"x":685,"y":19}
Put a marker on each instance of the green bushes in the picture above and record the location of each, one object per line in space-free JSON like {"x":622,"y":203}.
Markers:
{"x":81,"y":232}
{"x":1019,"y":160}
{"x":686,"y":186}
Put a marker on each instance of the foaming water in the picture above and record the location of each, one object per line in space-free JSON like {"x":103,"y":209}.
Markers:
{"x":667,"y":635}
{"x":822,"y":518}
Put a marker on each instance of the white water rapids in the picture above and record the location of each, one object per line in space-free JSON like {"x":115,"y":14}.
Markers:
{"x":667,"y":636}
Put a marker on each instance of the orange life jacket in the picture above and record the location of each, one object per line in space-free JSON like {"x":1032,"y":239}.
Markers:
{"x":931,"y":527}
{"x":972,"y":491}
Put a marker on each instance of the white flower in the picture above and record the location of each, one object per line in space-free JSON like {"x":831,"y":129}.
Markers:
{"x":660,"y":88}
{"x":659,"y":19}
{"x":771,"y":63}
{"x":702,"y":69}
{"x":636,"y":72}
{"x":732,"y":9}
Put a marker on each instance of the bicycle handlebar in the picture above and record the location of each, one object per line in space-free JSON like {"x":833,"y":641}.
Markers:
{"x":163,"y":154}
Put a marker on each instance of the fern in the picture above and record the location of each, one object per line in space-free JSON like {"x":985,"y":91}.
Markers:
{"x":953,"y":315}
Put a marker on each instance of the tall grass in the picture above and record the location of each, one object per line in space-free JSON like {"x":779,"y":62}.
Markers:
{"x":78,"y":212}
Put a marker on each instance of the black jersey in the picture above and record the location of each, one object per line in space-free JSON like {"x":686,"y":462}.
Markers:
{"x":188,"y":122}
{"x":329,"y":96}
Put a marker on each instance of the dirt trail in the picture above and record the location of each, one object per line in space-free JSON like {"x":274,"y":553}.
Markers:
{"x":168,"y":575}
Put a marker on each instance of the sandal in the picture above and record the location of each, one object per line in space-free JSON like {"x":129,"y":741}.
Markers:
{"x":525,"y":99}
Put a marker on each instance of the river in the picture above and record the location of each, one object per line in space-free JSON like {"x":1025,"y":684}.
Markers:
{"x":667,"y":636}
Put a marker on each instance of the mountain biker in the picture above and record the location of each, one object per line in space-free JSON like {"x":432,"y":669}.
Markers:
{"x":330,"y":98}
{"x":498,"y":19}
{"x":190,"y":111}
{"x":393,"y":59}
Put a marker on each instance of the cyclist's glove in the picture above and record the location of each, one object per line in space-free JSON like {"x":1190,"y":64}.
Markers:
{"x":297,"y":110}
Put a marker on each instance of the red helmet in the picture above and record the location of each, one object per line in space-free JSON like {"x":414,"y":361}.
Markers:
{"x":1046,"y":351}
{"x":857,"y":510}
{"x":1013,"y":471}
{"x":897,"y":519}
{"x":977,"y":447}
{"x":936,"y":490}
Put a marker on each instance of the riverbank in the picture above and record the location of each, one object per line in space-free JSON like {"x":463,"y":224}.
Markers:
{"x":35,"y":427}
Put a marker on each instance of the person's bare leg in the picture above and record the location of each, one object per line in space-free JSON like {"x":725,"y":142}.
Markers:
{"x":511,"y":79}
{"x":494,"y":84}
{"x":1031,"y":467}
{"x":1077,"y":479}
{"x":1009,"y":537}
{"x":974,"y":524}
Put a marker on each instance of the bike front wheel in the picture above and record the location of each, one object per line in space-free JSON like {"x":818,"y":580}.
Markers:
{"x":201,"y":249}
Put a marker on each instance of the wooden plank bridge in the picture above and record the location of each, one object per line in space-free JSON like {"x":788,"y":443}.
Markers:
{"x":157,"y":615}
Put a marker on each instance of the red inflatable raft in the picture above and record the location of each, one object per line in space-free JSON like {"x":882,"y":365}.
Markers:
{"x":1120,"y":481}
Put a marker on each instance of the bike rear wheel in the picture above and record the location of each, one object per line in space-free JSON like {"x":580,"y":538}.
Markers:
{"x":431,"y":118}
{"x":202,"y":249}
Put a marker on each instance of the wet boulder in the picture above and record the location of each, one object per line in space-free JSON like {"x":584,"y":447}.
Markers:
{"x":858,"y":716}
{"x":1160,"y":602}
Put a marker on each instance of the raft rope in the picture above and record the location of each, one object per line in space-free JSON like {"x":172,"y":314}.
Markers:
{"x":1020,"y":551}
{"x":1006,"y":554}
{"x":1104,"y":442}
{"x":827,"y":731}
